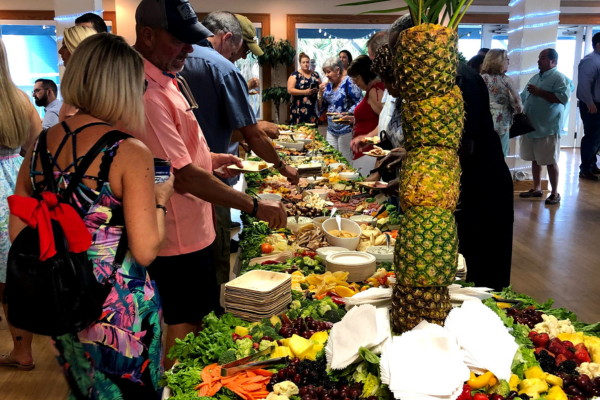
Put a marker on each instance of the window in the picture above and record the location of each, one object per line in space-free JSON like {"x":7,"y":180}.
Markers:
{"x":469,"y":40}
{"x":32,"y":54}
{"x":321,"y":43}
{"x":500,"y":42}
{"x":251,"y":69}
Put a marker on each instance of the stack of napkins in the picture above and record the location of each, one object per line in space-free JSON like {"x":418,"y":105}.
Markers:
{"x":379,"y":297}
{"x":363,"y":326}
{"x":409,"y":362}
{"x":493,"y":351}
{"x":459,"y":294}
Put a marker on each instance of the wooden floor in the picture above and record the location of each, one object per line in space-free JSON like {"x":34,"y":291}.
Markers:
{"x":555,"y":255}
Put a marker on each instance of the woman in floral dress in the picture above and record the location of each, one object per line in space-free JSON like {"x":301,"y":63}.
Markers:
{"x":304,"y":97}
{"x":504,"y":99}
{"x":119,"y":356}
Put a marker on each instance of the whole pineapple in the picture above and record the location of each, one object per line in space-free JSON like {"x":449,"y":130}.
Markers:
{"x":432,"y":119}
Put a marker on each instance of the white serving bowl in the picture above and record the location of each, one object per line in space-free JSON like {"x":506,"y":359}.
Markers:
{"x":295,"y":227}
{"x":311,"y":179}
{"x":296,"y":146}
{"x":363,"y":219}
{"x":360,"y":266}
{"x":318,"y":221}
{"x":381,"y":257}
{"x":349,"y":176}
{"x":297,"y":158}
{"x":322,"y":193}
{"x":335,"y":165}
{"x":270,"y":196}
{"x":347,"y":225}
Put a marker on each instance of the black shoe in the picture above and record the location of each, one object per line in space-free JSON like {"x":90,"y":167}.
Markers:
{"x":235,"y":225}
{"x":531,"y":193}
{"x":588,"y":175}
{"x":596,"y":170}
{"x":233,"y":246}
{"x":552,"y":199}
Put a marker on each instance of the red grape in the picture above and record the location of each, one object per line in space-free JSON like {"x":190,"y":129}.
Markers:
{"x":582,"y":381}
{"x":302,"y":391}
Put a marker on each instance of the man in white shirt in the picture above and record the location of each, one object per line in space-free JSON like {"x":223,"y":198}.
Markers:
{"x":44,"y":94}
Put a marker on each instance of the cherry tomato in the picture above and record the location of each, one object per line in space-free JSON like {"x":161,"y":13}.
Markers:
{"x":266,"y":248}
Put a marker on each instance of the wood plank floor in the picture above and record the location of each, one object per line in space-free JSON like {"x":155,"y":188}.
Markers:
{"x":554,"y":256}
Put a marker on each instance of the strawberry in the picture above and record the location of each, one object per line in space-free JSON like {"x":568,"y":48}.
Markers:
{"x":466,"y":393}
{"x":532,"y":333}
{"x":582,"y":356}
{"x":541,"y":340}
{"x":560,"y":358}
{"x":567,"y":353}
{"x":580,"y":346}
{"x":569,"y":345}
{"x":555,"y":347}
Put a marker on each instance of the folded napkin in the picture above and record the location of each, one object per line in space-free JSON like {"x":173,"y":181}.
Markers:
{"x":379,"y":297}
{"x":493,"y":351}
{"x":409,"y":362}
{"x":363,"y":326}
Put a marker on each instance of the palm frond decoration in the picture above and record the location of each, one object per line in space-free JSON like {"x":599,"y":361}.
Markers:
{"x":447,"y":13}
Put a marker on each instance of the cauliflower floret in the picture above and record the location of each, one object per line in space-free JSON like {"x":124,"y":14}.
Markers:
{"x":286,"y":388}
{"x":273,"y":396}
{"x":553,"y":327}
{"x":590,"y":369}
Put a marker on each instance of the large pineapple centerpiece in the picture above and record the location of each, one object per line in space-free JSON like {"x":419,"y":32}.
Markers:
{"x":426,"y":251}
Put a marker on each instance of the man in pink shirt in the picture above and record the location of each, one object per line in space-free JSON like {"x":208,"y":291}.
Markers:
{"x":184,"y":271}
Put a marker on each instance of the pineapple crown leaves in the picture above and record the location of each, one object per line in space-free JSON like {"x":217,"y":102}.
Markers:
{"x":449,"y":12}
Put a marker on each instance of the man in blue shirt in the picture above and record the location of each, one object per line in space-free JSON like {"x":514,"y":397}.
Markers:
{"x":224,"y":107}
{"x":588,"y":93}
{"x":544,"y":102}
{"x":44,"y":95}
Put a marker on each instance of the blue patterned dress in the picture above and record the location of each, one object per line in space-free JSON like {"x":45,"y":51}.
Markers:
{"x":120,"y":355}
{"x":10,"y":163}
{"x":303,"y":108}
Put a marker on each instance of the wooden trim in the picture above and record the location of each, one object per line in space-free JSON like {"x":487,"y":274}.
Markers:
{"x":265,"y":21}
{"x":112,"y":17}
{"x":568,"y":19}
{"x":580,"y":19}
{"x":485,"y":19}
{"x":27,"y":15}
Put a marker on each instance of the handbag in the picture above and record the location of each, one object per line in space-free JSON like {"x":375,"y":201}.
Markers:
{"x":56,"y":292}
{"x":521,"y":125}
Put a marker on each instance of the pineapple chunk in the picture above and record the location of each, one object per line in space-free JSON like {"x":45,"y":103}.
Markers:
{"x":535,"y":372}
{"x":242,"y":331}
{"x":320,"y":337}
{"x":592,"y":344}
{"x":574,"y":338}
{"x":285,"y":342}
{"x":312,"y":353}
{"x":275,"y":320}
{"x":514,"y":381}
{"x":299,"y":346}
{"x":281,"y":351}
{"x":556,"y":393}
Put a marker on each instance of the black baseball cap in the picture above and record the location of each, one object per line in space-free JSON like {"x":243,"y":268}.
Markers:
{"x":175,"y":16}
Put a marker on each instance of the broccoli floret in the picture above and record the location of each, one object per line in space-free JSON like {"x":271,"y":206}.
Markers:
{"x":327,"y":300}
{"x":265,"y":344}
{"x":227,"y":357}
{"x":304,"y":286}
{"x":323,"y":308}
{"x":295,"y":305}
{"x":310,"y":262}
{"x":332,"y":316}
{"x":341,"y":312}
{"x":500,"y":388}
{"x":245,"y":348}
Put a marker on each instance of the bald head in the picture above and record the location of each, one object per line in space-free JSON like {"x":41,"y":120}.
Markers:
{"x":376,"y":42}
{"x":401,"y":24}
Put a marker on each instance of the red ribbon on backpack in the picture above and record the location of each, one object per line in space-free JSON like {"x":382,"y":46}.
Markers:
{"x":38,"y":214}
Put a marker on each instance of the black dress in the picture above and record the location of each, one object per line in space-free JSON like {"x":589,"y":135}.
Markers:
{"x":303,"y":108}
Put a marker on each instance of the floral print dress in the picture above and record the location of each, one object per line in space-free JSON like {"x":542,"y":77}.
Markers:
{"x":504,"y":103}
{"x":120,"y":355}
{"x":303,"y":108}
{"x":10,"y":162}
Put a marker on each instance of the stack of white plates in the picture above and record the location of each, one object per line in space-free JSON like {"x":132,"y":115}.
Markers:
{"x":258,"y":294}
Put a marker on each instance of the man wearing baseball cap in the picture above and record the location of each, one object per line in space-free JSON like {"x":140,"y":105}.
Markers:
{"x":212,"y":76}
{"x":250,"y":40}
{"x":166,"y":30}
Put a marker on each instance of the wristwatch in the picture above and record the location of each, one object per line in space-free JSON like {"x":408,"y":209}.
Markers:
{"x":281,"y":165}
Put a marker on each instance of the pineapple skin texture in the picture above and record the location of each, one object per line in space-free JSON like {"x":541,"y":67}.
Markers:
{"x":426,"y":251}
{"x":430,"y":177}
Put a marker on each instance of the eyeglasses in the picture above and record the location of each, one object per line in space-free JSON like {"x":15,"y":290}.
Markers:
{"x":36,"y":91}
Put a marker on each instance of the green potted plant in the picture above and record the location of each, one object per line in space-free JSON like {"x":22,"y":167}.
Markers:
{"x":276,"y":53}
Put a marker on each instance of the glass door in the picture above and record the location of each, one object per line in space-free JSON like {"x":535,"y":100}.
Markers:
{"x":570,"y":38}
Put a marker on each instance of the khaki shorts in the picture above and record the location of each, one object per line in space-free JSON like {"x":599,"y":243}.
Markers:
{"x":544,"y":150}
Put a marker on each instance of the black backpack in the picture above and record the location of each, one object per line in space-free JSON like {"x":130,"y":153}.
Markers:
{"x":61,"y":294}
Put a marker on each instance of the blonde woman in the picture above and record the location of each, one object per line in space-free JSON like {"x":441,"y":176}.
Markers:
{"x":119,"y":356}
{"x":19,"y":125}
{"x":504,"y":99}
{"x":71,"y":39}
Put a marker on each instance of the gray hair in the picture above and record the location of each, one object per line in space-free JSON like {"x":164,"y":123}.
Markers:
{"x":401,"y":24}
{"x":376,"y":41}
{"x":333,"y":63}
{"x":223,"y":22}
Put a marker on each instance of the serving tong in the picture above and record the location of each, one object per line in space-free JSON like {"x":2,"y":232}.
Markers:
{"x":246,"y":364}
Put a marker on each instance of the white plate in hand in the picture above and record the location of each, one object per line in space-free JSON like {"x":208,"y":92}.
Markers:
{"x":251,"y":166}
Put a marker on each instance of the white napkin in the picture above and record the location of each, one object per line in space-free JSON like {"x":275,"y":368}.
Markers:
{"x":357,"y":329}
{"x":412,"y":380}
{"x":379,"y":297}
{"x":493,"y":351}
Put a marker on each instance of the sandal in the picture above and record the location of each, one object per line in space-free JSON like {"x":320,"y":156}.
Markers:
{"x":9,"y":362}
{"x":531,"y":193}
{"x":552,"y":199}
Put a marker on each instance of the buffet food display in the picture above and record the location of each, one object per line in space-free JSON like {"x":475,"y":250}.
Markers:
{"x":309,"y":316}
